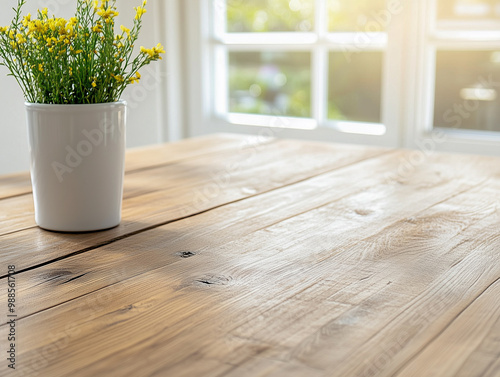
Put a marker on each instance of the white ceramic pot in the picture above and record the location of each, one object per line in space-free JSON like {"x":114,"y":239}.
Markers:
{"x":77,"y":164}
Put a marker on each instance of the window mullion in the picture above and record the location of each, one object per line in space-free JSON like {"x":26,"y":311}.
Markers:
{"x":318,"y":42}
{"x":321,"y":18}
{"x":219,"y":11}
{"x":319,"y":65}
{"x":319,"y":82}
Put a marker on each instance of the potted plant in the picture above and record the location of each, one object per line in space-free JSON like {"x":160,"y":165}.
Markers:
{"x":72,"y":73}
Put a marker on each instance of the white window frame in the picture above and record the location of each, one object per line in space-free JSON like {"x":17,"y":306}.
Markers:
{"x":427,"y":38}
{"x":204,"y":47}
{"x":407,"y":93}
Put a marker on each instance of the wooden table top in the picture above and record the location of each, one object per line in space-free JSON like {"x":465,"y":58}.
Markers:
{"x":244,"y":256}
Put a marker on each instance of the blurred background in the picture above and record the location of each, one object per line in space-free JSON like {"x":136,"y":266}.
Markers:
{"x":421,"y":74}
{"x":280,"y":82}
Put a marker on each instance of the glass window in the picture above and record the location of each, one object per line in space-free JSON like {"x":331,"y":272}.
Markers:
{"x":468,"y":9}
{"x":270,"y":15}
{"x":272,"y":56}
{"x":355,"y":86}
{"x":357,"y":67}
{"x":270,"y":83}
{"x":467,"y":90}
{"x":358,"y":15}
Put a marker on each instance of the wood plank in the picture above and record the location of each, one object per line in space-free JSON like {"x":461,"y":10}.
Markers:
{"x":468,"y":346}
{"x":266,"y":271}
{"x":17,"y":213}
{"x":339,"y":345}
{"x":15,"y":184}
{"x":399,"y":328}
{"x":392,"y":279}
{"x":150,"y":157}
{"x":219,"y":226}
{"x":191,"y":310}
{"x":180,"y":190}
{"x":170,"y":153}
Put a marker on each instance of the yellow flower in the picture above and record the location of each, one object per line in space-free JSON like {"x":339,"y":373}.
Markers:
{"x":37,"y":26}
{"x":107,"y":14}
{"x":97,"y":28}
{"x":135,"y":79}
{"x":40,"y":67}
{"x":125,"y":30}
{"x":51,"y":24}
{"x":159,"y":49}
{"x":31,"y":28}
{"x":139,"y":11}
{"x":147,"y":51}
{"x":26,"y":20}
{"x":153,"y":53}
{"x":118,"y":78}
{"x":3,"y":29}
{"x":61,"y":23}
{"x":20,"y":39}
{"x":94,"y":84}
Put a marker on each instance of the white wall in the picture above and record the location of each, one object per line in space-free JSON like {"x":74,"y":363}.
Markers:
{"x":146,"y":99}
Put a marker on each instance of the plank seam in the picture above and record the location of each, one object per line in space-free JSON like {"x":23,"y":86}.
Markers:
{"x":124,"y":236}
{"x":434,"y":338}
{"x":82,"y":295}
{"x":151,"y":167}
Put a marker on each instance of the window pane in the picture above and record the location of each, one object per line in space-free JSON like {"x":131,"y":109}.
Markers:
{"x":270,"y":15}
{"x":467,"y":84}
{"x":355,"y":86}
{"x":358,"y":15}
{"x":468,"y":9}
{"x":271,"y":83}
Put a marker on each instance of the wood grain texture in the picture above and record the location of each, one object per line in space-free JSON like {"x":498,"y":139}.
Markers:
{"x":142,"y":158}
{"x":164,"y":194}
{"x":312,"y":260}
